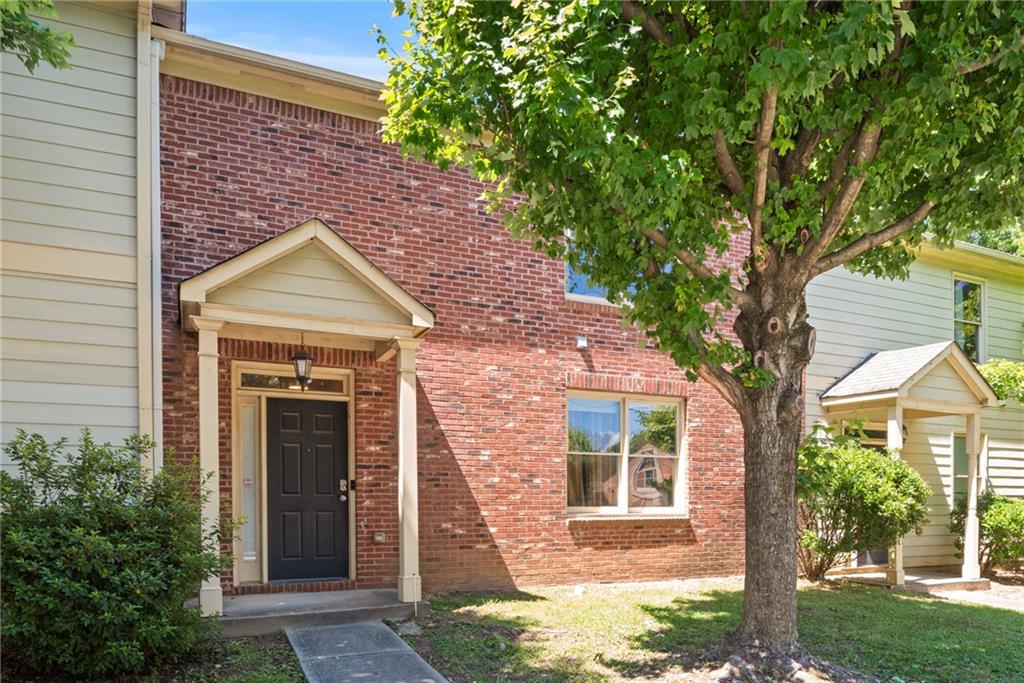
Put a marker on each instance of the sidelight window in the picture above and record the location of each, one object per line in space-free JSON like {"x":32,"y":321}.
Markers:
{"x":623,"y":455}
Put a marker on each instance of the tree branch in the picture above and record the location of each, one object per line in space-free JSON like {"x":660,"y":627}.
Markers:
{"x":726,"y":166}
{"x":839,"y":165}
{"x":691,"y":263}
{"x":762,"y":146}
{"x":865,"y":151}
{"x":989,"y":61}
{"x":684,"y":24}
{"x":865,"y":148}
{"x":796,"y":163}
{"x":632,"y":11}
{"x":722,"y":380}
{"x":872,"y":240}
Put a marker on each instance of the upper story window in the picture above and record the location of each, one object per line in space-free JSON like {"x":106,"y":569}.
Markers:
{"x":580,"y":284}
{"x":968,"y":323}
{"x":623,"y":455}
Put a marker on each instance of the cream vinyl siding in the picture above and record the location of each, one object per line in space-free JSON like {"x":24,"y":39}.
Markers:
{"x":857,"y":315}
{"x":68,"y":344}
{"x":308,"y":282}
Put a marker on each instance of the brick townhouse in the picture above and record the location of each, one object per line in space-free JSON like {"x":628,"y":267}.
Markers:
{"x":451,"y":365}
{"x":213,"y":247}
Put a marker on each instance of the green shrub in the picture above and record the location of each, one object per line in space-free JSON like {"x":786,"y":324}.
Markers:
{"x":99,"y":558}
{"x":1006,"y":378}
{"x":1000,"y":529}
{"x":853,"y":498}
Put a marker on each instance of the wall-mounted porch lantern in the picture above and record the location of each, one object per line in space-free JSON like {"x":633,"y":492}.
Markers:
{"x":302,"y":362}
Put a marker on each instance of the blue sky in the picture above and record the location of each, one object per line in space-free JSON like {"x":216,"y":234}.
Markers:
{"x":331,"y":34}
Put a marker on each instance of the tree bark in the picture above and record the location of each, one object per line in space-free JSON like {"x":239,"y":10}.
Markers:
{"x":769,"y":459}
{"x":774,"y":330}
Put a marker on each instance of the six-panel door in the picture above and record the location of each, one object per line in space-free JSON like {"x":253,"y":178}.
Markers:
{"x":307,"y":461}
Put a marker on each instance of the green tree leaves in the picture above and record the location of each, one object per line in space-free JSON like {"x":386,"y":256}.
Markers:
{"x":31,"y":41}
{"x":636,"y":126}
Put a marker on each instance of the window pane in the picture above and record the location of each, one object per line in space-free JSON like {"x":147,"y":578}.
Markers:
{"x":250,"y":486}
{"x":967,"y":336}
{"x":652,"y":429}
{"x":593,"y":480}
{"x":289,"y":383}
{"x":651,"y":482}
{"x":959,"y":466}
{"x":578,"y":283}
{"x":594,"y":425}
{"x":967,"y":301}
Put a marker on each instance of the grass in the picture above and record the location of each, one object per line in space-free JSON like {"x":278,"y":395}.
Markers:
{"x":661,"y":631}
{"x":244,"y":660}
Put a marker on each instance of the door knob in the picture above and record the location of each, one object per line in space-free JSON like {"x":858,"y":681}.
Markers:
{"x":343,"y":498}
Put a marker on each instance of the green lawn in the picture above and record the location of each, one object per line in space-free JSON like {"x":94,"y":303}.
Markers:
{"x":660,"y":631}
{"x":244,"y":660}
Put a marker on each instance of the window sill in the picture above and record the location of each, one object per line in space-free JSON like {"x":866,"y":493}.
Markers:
{"x":588,"y":517}
{"x":590,"y":299}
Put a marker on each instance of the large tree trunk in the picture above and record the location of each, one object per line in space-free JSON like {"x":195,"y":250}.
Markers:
{"x":769,"y":594}
{"x":775,"y":331}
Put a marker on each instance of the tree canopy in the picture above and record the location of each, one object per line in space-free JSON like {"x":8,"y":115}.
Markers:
{"x":639,"y":140}
{"x":1007,"y":238}
{"x":30,"y":40}
{"x":706,"y":160}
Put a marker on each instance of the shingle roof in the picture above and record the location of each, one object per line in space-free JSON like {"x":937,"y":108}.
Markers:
{"x":885,"y":371}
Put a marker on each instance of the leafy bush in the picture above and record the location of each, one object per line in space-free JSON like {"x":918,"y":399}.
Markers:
{"x":1006,"y":378}
{"x":1000,"y":529}
{"x":99,"y":557}
{"x":853,"y":498}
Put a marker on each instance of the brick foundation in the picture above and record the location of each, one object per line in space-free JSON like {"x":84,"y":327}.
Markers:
{"x":238,"y":169}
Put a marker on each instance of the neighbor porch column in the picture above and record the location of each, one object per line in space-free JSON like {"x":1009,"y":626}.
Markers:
{"x":409,"y":585}
{"x":211,"y":599}
{"x":894,"y":575}
{"x":972,"y":568}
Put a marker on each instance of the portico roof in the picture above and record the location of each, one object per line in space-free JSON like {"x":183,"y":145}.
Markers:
{"x":305,"y":281}
{"x":933,"y":379}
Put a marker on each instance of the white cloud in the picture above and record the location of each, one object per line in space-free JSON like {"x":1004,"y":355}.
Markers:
{"x":308,"y":50}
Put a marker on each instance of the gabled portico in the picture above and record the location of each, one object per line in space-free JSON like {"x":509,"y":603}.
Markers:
{"x":892,"y":388}
{"x":308,"y":286}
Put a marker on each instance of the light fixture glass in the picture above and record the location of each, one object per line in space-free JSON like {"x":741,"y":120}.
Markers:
{"x":302,"y":362}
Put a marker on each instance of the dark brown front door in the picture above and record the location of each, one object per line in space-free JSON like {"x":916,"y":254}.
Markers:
{"x":307,"y":459}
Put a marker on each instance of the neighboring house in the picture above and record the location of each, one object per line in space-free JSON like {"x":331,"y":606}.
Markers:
{"x":885,"y":359}
{"x":477,"y":417}
{"x":76,"y":276}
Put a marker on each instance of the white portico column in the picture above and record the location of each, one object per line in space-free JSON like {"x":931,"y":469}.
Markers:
{"x":972,"y":568}
{"x":409,"y":585}
{"x":211,"y":599}
{"x":894,"y":575}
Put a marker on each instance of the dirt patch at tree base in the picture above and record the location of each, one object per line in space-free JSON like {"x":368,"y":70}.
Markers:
{"x":754,"y":663}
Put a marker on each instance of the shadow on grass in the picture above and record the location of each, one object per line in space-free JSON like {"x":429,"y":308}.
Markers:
{"x":868,"y":629}
{"x":470,"y":645}
{"x":688,"y":628}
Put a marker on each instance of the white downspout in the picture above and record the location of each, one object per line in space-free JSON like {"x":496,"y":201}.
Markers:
{"x":156,"y":52}
{"x":144,"y":297}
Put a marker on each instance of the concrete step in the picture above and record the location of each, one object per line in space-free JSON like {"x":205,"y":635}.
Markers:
{"x":256,"y":615}
{"x":951,"y":584}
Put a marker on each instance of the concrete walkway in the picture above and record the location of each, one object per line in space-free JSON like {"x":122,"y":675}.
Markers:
{"x":368,"y":652}
{"x":1002,"y":594}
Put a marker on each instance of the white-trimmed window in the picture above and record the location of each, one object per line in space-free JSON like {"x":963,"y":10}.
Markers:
{"x":968,"y":320}
{"x":624,"y":454}
{"x":960,"y":463}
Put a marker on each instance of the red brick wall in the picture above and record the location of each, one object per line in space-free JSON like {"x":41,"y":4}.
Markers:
{"x":238,"y":169}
